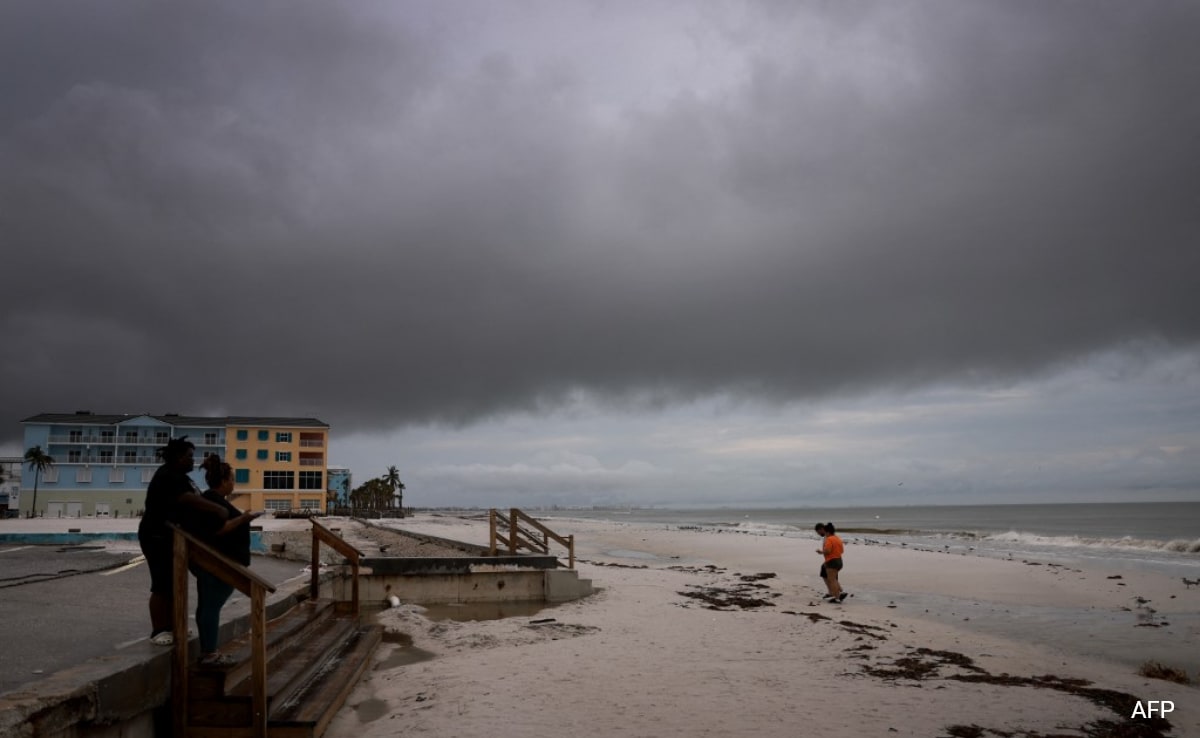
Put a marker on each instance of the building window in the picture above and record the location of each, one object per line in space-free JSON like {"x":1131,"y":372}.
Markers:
{"x":243,"y":434}
{"x":242,"y":476}
{"x":283,"y":437}
{"x":75,"y":436}
{"x":210,"y":439}
{"x":278,"y":504}
{"x":106,"y":457}
{"x":116,"y":476}
{"x":131,"y":457}
{"x":311,"y":480}
{"x":284,"y":457}
{"x":240,"y":454}
{"x":130,"y":436}
{"x":279,"y":480}
{"x":161,"y":437}
{"x":262,"y":454}
{"x":83,"y":475}
{"x":107,"y":436}
{"x":310,"y":504}
{"x":74,"y":456}
{"x":264,"y":435}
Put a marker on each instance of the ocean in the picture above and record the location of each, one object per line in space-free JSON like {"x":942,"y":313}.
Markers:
{"x":1163,"y":536}
{"x":1122,"y":537}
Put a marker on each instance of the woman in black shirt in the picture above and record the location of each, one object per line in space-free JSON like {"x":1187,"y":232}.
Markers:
{"x":231,"y":538}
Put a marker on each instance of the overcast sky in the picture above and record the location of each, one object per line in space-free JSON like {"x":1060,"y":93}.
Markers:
{"x":533,"y":252}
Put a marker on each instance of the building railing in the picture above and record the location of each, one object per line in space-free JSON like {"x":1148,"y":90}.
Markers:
{"x":309,"y":443}
{"x":122,"y":441}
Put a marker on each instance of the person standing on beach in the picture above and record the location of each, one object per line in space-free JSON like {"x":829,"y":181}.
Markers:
{"x":832,"y":548}
{"x":231,"y":538}
{"x":824,"y":574}
{"x":170,"y":497}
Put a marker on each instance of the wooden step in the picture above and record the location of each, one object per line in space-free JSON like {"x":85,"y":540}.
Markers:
{"x":313,"y":701}
{"x":308,"y":715}
{"x":283,"y":632}
{"x":287,"y":672}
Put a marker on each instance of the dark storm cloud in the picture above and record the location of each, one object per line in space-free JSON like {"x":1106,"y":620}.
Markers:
{"x":355,"y":213}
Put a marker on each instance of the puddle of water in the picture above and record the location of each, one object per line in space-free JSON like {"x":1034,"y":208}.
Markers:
{"x":404,"y":656}
{"x":370,"y":710}
{"x":467,"y":611}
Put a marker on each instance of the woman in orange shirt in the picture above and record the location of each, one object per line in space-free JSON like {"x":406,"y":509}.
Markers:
{"x":832,"y":548}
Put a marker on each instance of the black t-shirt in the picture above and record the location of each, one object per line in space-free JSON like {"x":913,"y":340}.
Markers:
{"x":236,"y":543}
{"x":162,"y":497}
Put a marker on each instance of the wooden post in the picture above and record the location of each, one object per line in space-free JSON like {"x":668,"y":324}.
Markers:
{"x":314,"y":588}
{"x":492,"y":532}
{"x":571,"y":549}
{"x":512,"y":531}
{"x":179,"y":627}
{"x":258,"y":659}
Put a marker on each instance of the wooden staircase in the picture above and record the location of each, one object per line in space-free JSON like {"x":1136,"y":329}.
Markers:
{"x":288,"y":676}
{"x":316,"y":653}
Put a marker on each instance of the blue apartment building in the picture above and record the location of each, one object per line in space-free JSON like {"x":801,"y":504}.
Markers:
{"x":102,"y":463}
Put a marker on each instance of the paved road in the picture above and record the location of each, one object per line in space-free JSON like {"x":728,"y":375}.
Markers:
{"x":61,"y":605}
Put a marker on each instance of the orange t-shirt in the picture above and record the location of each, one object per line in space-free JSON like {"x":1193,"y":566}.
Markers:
{"x":833,"y":547}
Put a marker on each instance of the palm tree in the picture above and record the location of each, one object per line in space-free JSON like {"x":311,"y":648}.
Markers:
{"x":392,"y":480}
{"x":39,"y":461}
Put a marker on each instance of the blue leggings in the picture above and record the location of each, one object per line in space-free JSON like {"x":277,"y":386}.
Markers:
{"x":211,"y":594}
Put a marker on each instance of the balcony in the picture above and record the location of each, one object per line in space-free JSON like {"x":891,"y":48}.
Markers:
{"x":122,"y":441}
{"x":312,"y":462}
{"x":111,"y":460}
{"x":311,"y":443}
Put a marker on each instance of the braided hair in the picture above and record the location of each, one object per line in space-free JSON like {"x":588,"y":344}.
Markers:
{"x":175,"y":449}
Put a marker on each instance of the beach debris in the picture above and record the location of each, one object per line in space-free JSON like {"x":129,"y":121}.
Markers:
{"x":1156,"y":670}
{"x":860,"y":629}
{"x":757,"y":577}
{"x":812,"y":616}
{"x":718,"y":598}
{"x":1115,"y":576}
{"x":924,"y":664}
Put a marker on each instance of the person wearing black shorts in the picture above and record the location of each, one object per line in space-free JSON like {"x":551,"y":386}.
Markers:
{"x":170,"y":497}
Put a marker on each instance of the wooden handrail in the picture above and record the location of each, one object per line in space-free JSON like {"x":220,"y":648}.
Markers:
{"x":321,"y":534}
{"x":518,"y":537}
{"x":189,"y":548}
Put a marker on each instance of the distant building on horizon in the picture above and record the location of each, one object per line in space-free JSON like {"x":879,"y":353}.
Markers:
{"x":10,"y":483}
{"x":102,"y":463}
{"x":339,"y":485}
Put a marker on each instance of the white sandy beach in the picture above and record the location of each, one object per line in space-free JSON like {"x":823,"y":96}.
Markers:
{"x":647,"y":655}
{"x":643,"y":658}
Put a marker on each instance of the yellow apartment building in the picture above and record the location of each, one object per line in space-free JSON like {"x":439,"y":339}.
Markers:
{"x":278,"y":463}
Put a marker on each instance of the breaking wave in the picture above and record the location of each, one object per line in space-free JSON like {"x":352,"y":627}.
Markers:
{"x":1140,"y":544}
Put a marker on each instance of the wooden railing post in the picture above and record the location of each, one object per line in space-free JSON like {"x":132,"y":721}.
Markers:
{"x":190,"y":550}
{"x":179,"y":627}
{"x":314,"y":587}
{"x":512,"y":531}
{"x":492,"y":532}
{"x":258,"y":659}
{"x":321,"y":533}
